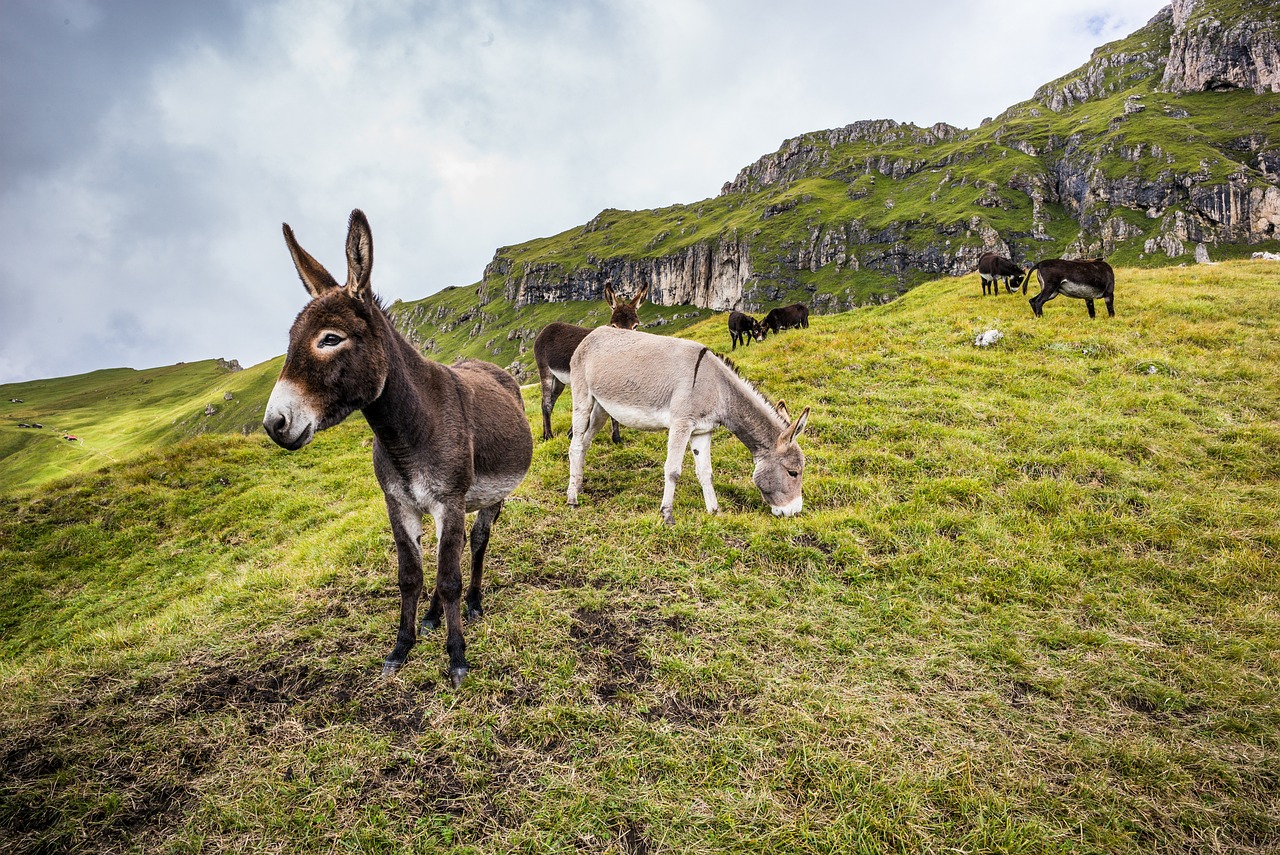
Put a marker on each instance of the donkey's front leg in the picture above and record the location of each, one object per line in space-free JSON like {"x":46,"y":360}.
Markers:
{"x":701,"y":445}
{"x":406,"y":527}
{"x":451,"y":524}
{"x":677,"y":440}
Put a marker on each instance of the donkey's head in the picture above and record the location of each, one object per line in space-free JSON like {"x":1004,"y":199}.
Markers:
{"x":780,"y":467}
{"x":337,"y":359}
{"x":624,"y":315}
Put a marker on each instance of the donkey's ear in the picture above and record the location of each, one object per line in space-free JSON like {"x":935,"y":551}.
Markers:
{"x":781,"y":409}
{"x":796,"y":428}
{"x":639,"y":297}
{"x":610,"y":297}
{"x":312,"y":273}
{"x":359,"y":256}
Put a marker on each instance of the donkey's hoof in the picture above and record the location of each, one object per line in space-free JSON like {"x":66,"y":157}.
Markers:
{"x":429,"y":624}
{"x":473,"y":613}
{"x":667,"y":517}
{"x":391,"y":666}
{"x":457,"y":676}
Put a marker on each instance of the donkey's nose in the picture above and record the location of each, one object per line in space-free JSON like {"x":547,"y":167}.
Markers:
{"x":276,"y":424}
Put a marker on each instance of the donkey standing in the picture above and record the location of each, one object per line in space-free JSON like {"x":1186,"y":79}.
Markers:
{"x":653,"y":382}
{"x":1089,"y":280}
{"x":447,"y":440}
{"x":744,"y":328}
{"x":556,"y":343}
{"x":992,"y":268}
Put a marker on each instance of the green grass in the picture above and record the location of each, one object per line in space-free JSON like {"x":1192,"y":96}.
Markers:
{"x":1031,"y":606}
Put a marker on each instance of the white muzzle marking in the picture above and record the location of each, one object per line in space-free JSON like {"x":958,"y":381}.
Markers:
{"x":289,"y":419}
{"x":790,"y":509}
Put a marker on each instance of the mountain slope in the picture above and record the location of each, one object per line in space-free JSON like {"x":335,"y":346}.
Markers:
{"x":1031,"y":606}
{"x":118,"y":412}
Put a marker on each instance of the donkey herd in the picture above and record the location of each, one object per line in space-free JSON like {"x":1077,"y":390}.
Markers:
{"x":449,"y":440}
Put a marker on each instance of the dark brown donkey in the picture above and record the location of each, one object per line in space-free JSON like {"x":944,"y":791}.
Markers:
{"x":556,"y":343}
{"x":447,"y":439}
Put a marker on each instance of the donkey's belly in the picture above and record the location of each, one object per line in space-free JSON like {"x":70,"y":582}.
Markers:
{"x":562,"y":376}
{"x":639,"y":418}
{"x":490,"y":489}
{"x":1078,"y":289}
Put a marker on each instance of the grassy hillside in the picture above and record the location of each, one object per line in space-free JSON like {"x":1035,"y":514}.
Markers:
{"x":1031,"y":606}
{"x":118,"y":412}
{"x":456,"y":323}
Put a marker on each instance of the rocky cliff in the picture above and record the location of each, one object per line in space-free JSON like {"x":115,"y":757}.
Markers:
{"x":1163,"y":142}
{"x":1208,"y":52}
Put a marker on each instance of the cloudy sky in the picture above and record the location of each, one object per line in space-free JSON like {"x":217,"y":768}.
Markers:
{"x":149,"y":151}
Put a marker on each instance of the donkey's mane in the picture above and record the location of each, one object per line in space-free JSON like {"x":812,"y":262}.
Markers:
{"x":751,"y":387}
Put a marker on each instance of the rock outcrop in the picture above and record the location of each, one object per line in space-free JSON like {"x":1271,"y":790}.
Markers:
{"x":1207,"y":54}
{"x":711,"y":275}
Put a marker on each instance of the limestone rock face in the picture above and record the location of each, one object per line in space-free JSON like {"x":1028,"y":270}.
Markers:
{"x":711,"y":275}
{"x":1206,"y":54}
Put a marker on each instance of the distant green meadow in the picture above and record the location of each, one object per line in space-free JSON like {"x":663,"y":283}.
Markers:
{"x":1031,"y":605}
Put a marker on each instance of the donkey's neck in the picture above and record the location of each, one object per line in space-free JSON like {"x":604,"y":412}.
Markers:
{"x":748,"y":416}
{"x":403,"y":417}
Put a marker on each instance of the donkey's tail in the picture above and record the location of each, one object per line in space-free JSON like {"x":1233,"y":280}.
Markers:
{"x":1027,"y":277}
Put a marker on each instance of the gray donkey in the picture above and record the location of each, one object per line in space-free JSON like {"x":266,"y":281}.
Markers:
{"x":651,"y":382}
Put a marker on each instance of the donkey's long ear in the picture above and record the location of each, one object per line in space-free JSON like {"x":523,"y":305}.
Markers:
{"x":640,"y":295}
{"x":796,"y":428}
{"x":312,"y":273}
{"x":781,"y":409}
{"x":359,"y":256}
{"x":610,"y":297}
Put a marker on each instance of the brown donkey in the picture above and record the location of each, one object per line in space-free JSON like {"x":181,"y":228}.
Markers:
{"x":555,"y":345}
{"x":447,"y":439}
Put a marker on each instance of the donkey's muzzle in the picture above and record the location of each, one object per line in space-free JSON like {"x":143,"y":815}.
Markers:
{"x":790,"y":509}
{"x":289,"y":425}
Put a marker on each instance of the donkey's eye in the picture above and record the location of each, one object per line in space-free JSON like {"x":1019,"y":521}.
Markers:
{"x":331,"y":340}
{"x":793,"y":473}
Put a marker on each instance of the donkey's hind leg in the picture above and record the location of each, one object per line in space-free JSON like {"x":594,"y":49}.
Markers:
{"x":479,"y":543}
{"x":551,"y":389}
{"x":588,"y":418}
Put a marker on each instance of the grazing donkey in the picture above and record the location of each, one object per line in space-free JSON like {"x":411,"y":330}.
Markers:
{"x":557,"y":342}
{"x":744,"y":328}
{"x":652,"y":382}
{"x":1087,"y":280}
{"x":787,"y":317}
{"x":992,"y":268}
{"x":447,"y":440}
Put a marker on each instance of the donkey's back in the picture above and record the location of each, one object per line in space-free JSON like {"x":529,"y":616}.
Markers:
{"x":641,"y":379}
